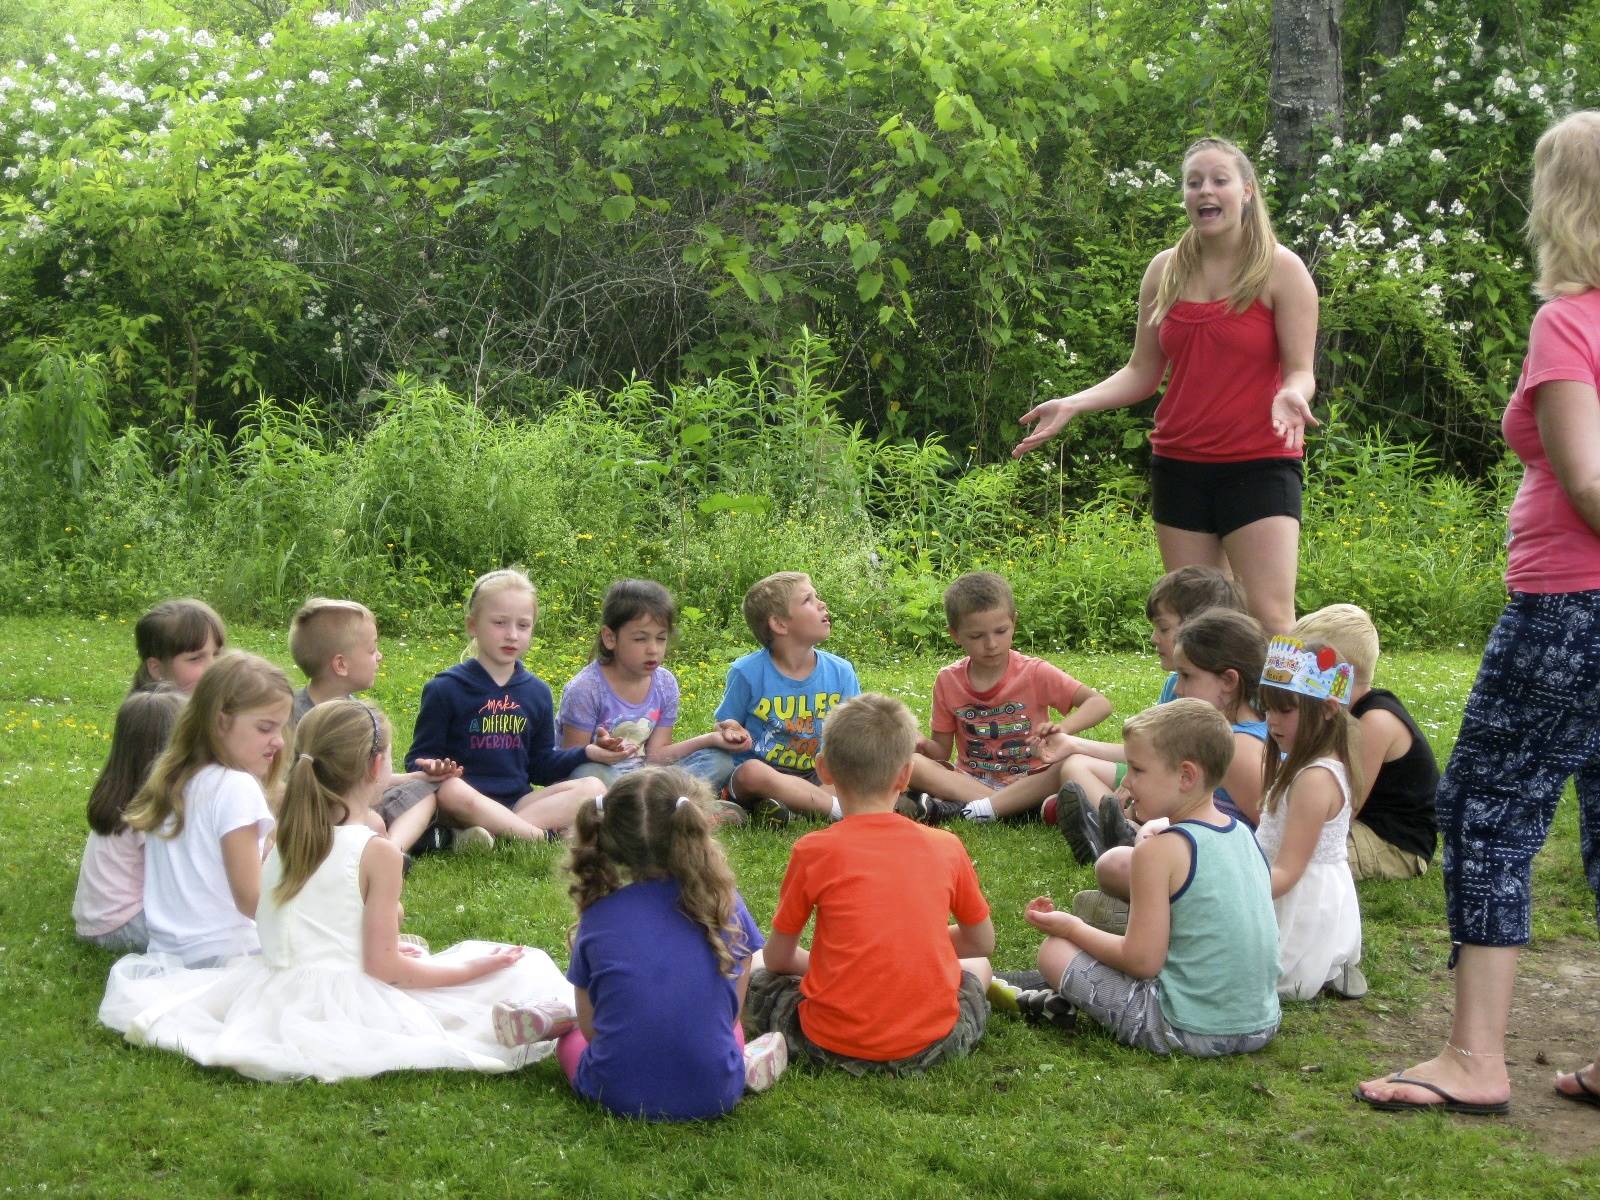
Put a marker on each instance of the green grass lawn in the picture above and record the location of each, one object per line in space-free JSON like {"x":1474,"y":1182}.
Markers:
{"x":1031,"y":1113}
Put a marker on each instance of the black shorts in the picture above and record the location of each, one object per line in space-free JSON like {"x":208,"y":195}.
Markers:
{"x":1222,"y":497}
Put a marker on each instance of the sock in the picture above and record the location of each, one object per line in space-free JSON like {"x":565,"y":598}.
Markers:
{"x":979,"y":810}
{"x":836,"y":813}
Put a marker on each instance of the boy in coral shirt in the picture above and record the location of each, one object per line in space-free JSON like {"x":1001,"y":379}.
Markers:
{"x":888,"y":984}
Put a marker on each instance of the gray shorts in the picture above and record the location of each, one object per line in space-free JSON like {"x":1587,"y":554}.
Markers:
{"x":773,"y":1005}
{"x":1131,"y":1009}
{"x":130,"y":936}
{"x":403,"y":797}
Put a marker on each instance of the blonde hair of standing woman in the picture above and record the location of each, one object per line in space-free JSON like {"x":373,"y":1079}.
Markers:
{"x":1564,"y":208}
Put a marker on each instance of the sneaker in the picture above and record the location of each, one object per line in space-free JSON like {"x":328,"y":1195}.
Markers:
{"x":726,"y":812}
{"x":1027,"y":981}
{"x":909,"y":805}
{"x":1034,"y":1005}
{"x":1115,"y":828}
{"x":1105,"y":912}
{"x":474,"y":839}
{"x":1348,"y":984}
{"x":518,"y":1024}
{"x":765,"y":1059}
{"x":770,"y":812}
{"x":1071,"y":804}
{"x":937,"y":812}
{"x":1047,"y":810}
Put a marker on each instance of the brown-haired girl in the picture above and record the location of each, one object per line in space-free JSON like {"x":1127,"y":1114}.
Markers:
{"x":660,"y":961}
{"x":1234,"y":315}
{"x":177,"y":640}
{"x":108,"y":908}
{"x":333,"y":994}
{"x":205,"y":809}
{"x":1305,"y":818}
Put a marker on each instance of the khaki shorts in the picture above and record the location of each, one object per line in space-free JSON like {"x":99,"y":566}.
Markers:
{"x":1373,"y":858}
{"x":773,"y":1006}
{"x":402,"y":798}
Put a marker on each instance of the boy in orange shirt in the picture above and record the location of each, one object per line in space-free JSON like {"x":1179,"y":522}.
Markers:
{"x":888,"y":984}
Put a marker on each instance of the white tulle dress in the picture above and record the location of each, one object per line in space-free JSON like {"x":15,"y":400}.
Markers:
{"x":306,"y":1008}
{"x":1319,"y":919}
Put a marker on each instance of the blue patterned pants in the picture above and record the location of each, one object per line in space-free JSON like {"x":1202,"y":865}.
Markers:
{"x":1532,"y":722}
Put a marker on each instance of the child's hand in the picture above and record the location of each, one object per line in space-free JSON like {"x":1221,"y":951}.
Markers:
{"x":1150,"y":828}
{"x":1052,"y":743}
{"x":438,"y":770}
{"x":929,"y":748}
{"x":734,"y":735}
{"x":595,"y":752}
{"x":409,"y":951}
{"x":1042,"y":915}
{"x":606,"y":740}
{"x":497,"y":959}
{"x":1040,"y":904}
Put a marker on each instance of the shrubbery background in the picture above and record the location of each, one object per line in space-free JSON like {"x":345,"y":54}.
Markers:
{"x":353,"y":305}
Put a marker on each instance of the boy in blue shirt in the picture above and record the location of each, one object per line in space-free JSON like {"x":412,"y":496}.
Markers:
{"x":780,"y":694}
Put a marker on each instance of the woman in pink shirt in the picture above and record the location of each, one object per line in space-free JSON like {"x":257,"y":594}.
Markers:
{"x":1234,"y":316}
{"x":1533,"y":719}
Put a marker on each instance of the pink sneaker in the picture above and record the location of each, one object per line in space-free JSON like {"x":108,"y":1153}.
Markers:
{"x":518,"y":1024}
{"x":764,"y":1060}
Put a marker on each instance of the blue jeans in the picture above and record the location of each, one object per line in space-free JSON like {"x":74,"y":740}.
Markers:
{"x":711,"y":765}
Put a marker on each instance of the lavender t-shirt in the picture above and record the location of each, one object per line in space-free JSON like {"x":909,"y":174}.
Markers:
{"x":588,"y":702}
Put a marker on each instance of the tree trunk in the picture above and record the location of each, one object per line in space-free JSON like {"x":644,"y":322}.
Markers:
{"x":1389,"y":26}
{"x":1307,"y":90}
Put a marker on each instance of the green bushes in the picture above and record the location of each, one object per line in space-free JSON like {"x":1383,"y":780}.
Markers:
{"x":704,"y":487}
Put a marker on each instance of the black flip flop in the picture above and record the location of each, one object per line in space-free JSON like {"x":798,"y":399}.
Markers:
{"x":1447,"y":1102}
{"x":1586,"y":1094}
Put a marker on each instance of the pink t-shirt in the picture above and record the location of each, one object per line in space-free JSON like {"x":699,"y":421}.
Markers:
{"x":992,"y":727}
{"x":110,"y":883}
{"x":1552,"y":548}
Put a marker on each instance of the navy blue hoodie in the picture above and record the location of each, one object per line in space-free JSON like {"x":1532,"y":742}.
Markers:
{"x":504,"y":736}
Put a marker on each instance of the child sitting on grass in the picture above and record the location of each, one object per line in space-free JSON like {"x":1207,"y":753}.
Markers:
{"x":888,"y":984}
{"x":1195,"y":973}
{"x":781,"y":694}
{"x":497,"y":720}
{"x":1394,"y":830}
{"x":177,"y":640}
{"x":660,"y":961}
{"x":1097,"y":768}
{"x":990,"y":706}
{"x":108,"y":908}
{"x":335,"y":643}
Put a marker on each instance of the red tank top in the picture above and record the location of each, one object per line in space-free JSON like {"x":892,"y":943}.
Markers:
{"x":1225,"y":371}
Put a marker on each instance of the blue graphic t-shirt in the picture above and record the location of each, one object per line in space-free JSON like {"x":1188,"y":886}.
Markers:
{"x":782,"y":715}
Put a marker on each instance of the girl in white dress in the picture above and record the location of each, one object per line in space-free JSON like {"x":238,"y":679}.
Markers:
{"x":333,"y":994}
{"x":1305,"y":818}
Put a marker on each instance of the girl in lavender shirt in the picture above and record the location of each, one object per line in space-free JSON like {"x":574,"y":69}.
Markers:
{"x":626,"y":698}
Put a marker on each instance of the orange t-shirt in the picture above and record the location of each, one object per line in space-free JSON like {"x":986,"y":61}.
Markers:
{"x":883,"y":977}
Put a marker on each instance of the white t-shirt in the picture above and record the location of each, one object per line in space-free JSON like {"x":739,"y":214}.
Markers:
{"x":188,"y":906}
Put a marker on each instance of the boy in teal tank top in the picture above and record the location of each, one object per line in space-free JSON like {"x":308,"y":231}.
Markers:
{"x":1197,"y":970}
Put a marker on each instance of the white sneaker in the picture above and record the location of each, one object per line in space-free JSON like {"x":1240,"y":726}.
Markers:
{"x":473,"y":840}
{"x":517,"y":1024}
{"x":765,"y":1059}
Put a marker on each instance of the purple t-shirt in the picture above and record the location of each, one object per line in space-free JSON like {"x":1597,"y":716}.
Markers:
{"x":588,"y":702}
{"x":663,"y":1045}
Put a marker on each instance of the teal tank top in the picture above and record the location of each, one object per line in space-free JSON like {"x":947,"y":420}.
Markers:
{"x":1221,"y":973}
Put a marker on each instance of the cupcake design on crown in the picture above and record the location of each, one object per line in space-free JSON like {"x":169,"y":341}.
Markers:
{"x":1293,"y":666}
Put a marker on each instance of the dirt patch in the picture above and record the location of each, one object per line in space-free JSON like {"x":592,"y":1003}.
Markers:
{"x":1555,"y":1026}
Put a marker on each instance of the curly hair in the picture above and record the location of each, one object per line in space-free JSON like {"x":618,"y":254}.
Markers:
{"x":640,"y":830}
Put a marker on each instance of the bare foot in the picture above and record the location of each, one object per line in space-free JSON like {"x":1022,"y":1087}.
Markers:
{"x":1464,"y":1079}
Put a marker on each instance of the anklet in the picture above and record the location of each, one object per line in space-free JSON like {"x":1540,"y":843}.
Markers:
{"x":1473,"y":1053}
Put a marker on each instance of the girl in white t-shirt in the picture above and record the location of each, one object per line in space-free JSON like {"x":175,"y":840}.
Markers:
{"x":108,"y":908}
{"x":205,"y":811}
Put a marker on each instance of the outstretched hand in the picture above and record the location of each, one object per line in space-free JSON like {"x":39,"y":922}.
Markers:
{"x":497,"y":959}
{"x":1290,"y":416}
{"x":438,"y":770}
{"x":1047,"y":419}
{"x":734,"y":736}
{"x":1041,"y":913}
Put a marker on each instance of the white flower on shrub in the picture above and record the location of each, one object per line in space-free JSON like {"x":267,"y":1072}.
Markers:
{"x":323,"y":140}
{"x":1504,"y":85}
{"x":355,"y":85}
{"x":1410,"y":122}
{"x":318,"y":77}
{"x":40,"y":105}
{"x":264,"y":40}
{"x":1437,"y":238}
{"x":203,"y":39}
{"x":1437,"y":156}
{"x":1395,"y":139}
{"x":325,"y":20}
{"x":441,"y":333}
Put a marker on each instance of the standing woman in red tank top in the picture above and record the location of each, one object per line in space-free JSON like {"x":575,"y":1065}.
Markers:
{"x":1234,"y":316}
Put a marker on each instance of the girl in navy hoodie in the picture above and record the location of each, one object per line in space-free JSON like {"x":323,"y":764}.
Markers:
{"x":496,"y":720}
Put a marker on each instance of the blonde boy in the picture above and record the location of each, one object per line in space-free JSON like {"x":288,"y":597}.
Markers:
{"x":1397,"y":830}
{"x":888,"y":984}
{"x":781,"y":694}
{"x":335,"y":644}
{"x":991,"y":707}
{"x":1197,"y":970}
